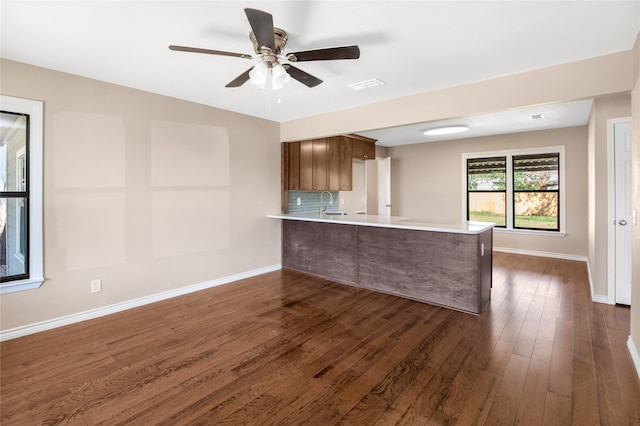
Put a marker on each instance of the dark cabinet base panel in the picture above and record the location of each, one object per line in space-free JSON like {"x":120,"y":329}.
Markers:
{"x":443,"y":268}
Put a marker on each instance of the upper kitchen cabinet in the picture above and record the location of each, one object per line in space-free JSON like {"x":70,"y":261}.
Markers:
{"x":314,"y":165}
{"x":363,"y":148}
{"x":324,"y":164}
{"x":340,"y":163}
{"x":291,"y":166}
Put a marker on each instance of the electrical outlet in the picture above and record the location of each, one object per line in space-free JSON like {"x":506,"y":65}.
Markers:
{"x":96,"y":286}
{"x":298,"y":201}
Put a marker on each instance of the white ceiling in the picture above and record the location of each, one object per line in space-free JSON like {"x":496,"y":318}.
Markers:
{"x":567,"y":114}
{"x":412,"y":46}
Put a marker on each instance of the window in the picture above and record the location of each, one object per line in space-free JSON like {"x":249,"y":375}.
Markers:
{"x":486,"y":190}
{"x":535,"y":191}
{"x":519,"y":190}
{"x":20,"y":194}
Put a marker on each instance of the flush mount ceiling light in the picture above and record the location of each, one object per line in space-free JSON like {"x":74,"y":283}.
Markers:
{"x":447,"y":130}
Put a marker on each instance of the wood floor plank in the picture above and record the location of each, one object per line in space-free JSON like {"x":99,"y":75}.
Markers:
{"x":584,"y":410}
{"x":420,"y":372}
{"x":349,"y":393}
{"x":557,"y":410}
{"x":286,"y":348}
{"x":560,"y":370}
{"x":531,"y":406}
{"x":480,"y":400}
{"x":505,"y":404}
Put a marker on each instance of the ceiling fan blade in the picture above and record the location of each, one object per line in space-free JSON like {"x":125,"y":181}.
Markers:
{"x":240,"y":80}
{"x":262,"y":26}
{"x":344,"y":52}
{"x":303,"y":77}
{"x":209,"y":51}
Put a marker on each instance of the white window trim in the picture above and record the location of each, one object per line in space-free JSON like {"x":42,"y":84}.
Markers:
{"x":35,"y":109}
{"x":19,"y":176}
{"x":509,"y":187}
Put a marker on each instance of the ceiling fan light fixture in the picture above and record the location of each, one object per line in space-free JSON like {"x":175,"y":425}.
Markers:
{"x":276,"y":76}
{"x":446,"y":130}
{"x":258,"y":75}
{"x":279,"y":77}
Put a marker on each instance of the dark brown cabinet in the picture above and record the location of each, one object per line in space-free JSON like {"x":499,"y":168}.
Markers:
{"x":324,"y":164}
{"x":363,"y":148}
{"x":291,"y":159}
{"x":340,"y":164}
{"x":314,"y":165}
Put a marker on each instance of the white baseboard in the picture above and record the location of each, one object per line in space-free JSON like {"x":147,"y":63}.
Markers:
{"x":541,"y":254}
{"x":599,"y":298}
{"x":129,"y":304}
{"x":635,"y":355}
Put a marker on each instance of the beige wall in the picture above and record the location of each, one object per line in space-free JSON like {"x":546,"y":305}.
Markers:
{"x":146,"y":192}
{"x":635,"y":287}
{"x":604,"y":109}
{"x":428,"y":184}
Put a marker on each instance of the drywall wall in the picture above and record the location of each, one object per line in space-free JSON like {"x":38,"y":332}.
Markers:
{"x":145,"y":192}
{"x":634,"y":341}
{"x":428,"y":184}
{"x":604,"y":109}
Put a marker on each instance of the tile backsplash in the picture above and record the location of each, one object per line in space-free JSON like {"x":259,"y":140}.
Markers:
{"x":310,"y":201}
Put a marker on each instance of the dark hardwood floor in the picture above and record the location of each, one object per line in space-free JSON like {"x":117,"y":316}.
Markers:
{"x":285,"y":348}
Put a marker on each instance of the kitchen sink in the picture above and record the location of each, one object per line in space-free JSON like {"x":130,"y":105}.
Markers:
{"x":335,"y":213}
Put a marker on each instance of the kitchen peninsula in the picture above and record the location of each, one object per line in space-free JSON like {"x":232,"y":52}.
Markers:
{"x":447,"y":265}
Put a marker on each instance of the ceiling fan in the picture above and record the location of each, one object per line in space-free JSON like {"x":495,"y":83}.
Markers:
{"x":268,"y":43}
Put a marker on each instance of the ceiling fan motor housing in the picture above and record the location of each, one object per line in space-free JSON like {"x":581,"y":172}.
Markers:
{"x":268,"y":55}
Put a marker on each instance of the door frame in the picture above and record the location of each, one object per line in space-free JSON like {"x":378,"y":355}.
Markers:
{"x":611,"y":208}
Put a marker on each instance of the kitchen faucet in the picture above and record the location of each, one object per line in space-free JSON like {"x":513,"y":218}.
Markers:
{"x":324,"y":208}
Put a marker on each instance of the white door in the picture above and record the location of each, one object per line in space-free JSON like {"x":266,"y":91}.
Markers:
{"x":384,"y":186}
{"x":623,"y":211}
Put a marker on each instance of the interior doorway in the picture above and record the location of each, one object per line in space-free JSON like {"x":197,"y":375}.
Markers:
{"x":378,"y":174}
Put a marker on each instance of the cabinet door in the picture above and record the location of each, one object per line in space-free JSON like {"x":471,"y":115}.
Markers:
{"x":346,"y":164}
{"x":314,"y":165}
{"x":340,"y":164}
{"x":364,"y":150}
{"x":306,"y":165}
{"x":294,"y":166}
{"x":320,"y":165}
{"x":334,"y":164}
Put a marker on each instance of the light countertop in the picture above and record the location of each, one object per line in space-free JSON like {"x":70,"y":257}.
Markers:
{"x":466,"y":227}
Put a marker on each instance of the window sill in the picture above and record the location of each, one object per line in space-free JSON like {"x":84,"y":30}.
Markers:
{"x":530,"y":232}
{"x":21,"y":285}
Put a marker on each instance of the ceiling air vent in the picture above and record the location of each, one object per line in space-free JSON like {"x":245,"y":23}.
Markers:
{"x":367,"y":84}
{"x":536,"y":116}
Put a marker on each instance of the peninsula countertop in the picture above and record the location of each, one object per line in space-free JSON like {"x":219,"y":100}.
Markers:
{"x":464,"y":227}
